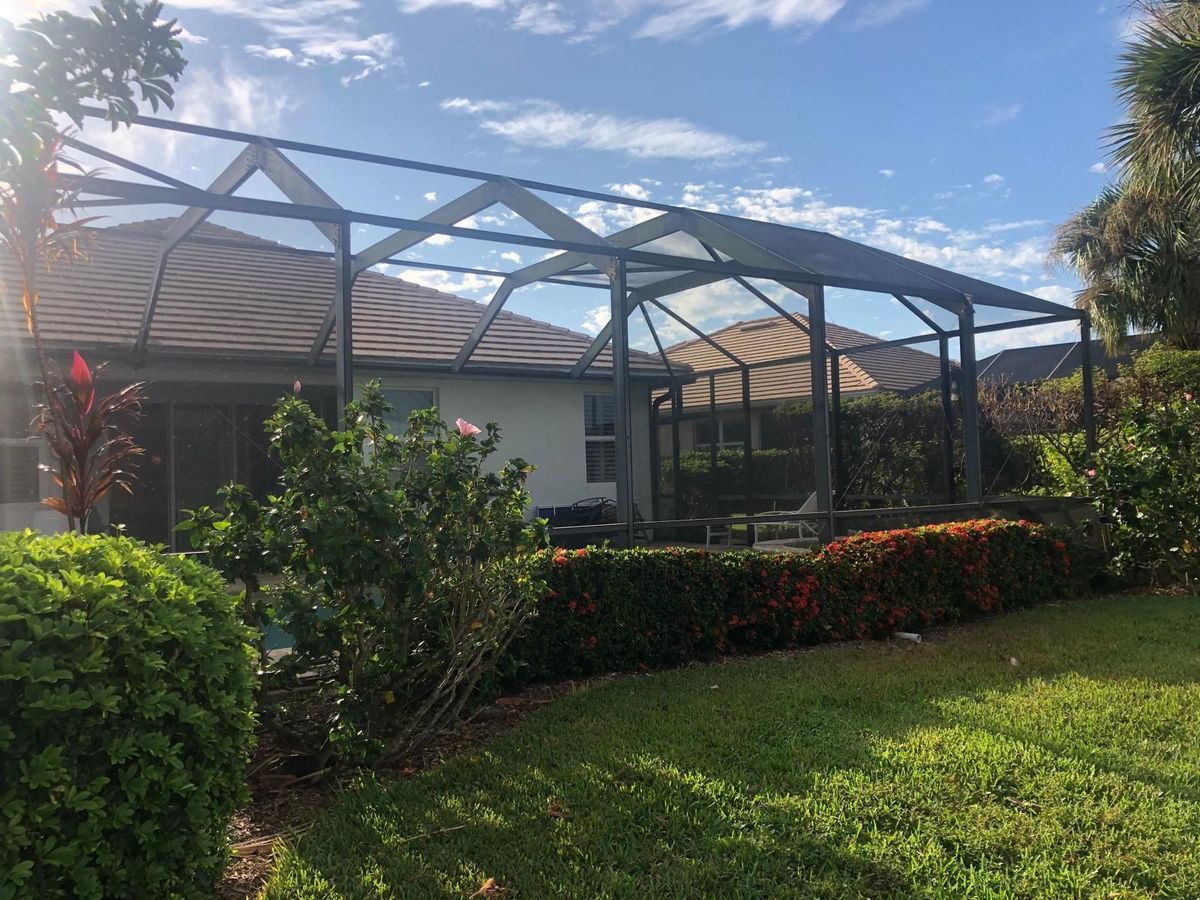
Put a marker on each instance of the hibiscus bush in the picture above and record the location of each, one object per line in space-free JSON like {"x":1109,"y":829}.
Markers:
{"x":624,"y":610}
{"x":404,"y":568}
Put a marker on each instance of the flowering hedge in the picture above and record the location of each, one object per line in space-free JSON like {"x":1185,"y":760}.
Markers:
{"x":621,"y":610}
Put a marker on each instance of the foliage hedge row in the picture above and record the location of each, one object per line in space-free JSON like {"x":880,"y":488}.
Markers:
{"x":126,"y":681}
{"x":624,"y":610}
{"x":894,"y":444}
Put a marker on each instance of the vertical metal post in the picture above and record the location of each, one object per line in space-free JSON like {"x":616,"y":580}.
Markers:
{"x":343,"y":318}
{"x":1089,"y":387}
{"x":835,"y":423}
{"x":655,"y":455}
{"x":747,"y":450}
{"x":823,"y":477}
{"x":172,"y":480}
{"x":676,"y":473}
{"x":715,"y":424}
{"x":622,"y":430}
{"x":969,"y":401}
{"x":947,"y":419}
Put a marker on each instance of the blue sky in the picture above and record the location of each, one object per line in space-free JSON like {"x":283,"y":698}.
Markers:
{"x":955,"y":132}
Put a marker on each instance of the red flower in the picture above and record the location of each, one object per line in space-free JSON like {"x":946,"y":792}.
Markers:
{"x":81,"y":384}
{"x":560,"y":560}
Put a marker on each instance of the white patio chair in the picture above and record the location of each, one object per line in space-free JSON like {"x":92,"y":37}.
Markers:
{"x":802,"y":540}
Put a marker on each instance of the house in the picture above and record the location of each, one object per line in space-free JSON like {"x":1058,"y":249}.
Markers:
{"x":758,"y":341}
{"x":232,"y":331}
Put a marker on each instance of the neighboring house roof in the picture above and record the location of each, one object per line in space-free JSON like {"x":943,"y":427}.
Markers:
{"x":1020,"y":365}
{"x":760,"y":340}
{"x":1058,"y":360}
{"x":252,"y":304}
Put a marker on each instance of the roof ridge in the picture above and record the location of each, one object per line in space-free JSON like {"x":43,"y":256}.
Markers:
{"x":741,"y":323}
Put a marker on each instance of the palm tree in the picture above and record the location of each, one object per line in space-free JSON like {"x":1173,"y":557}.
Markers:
{"x":1158,"y":145}
{"x":1136,"y":247}
{"x":1136,"y":253}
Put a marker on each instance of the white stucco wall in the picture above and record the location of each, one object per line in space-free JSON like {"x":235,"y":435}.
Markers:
{"x":542,"y":422}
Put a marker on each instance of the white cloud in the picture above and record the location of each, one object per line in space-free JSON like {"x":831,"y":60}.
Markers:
{"x":994,"y":180}
{"x":228,"y":98}
{"x":413,"y":6}
{"x":1055,"y":293}
{"x":595,"y":319}
{"x":881,"y":12}
{"x":449,"y":282}
{"x":605,"y":218}
{"x":308,"y":32}
{"x":1034,"y":336}
{"x":888,"y":173}
{"x":542,"y":18}
{"x":999,"y":115}
{"x":713,"y":306}
{"x":683,"y":18}
{"x":998,"y":227}
{"x":926,"y":225}
{"x":511,"y":256}
{"x":632,"y":189}
{"x":280,"y":53}
{"x":1098,"y":168}
{"x":431,"y":197}
{"x":583,"y":20}
{"x":544,"y":123}
{"x":424,"y":84}
{"x":188,"y":37}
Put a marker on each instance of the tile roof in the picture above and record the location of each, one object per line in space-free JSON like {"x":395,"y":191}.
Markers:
{"x":252,"y":304}
{"x":759,"y":340}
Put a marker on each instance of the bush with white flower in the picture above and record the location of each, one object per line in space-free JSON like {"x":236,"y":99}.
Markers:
{"x":405,"y":567}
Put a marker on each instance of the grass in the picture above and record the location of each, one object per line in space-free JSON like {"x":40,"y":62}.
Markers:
{"x":1051,"y":753}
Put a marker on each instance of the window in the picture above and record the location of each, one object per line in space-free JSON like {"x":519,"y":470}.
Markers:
{"x":18,"y":454}
{"x":404,"y":402}
{"x":599,"y":429}
{"x":731,"y":431}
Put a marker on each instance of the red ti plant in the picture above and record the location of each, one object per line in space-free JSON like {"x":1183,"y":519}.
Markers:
{"x":87,"y":436}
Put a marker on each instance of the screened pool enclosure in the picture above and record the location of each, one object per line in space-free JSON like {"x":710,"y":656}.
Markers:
{"x":667,"y":251}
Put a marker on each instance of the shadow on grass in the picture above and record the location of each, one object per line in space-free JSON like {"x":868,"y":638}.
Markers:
{"x":852,"y":771}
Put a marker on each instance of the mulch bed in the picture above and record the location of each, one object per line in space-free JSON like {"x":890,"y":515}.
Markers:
{"x":283,"y":805}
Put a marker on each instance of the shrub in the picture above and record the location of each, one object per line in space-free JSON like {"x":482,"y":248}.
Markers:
{"x":1174,"y":370}
{"x":1147,"y":484}
{"x":126,"y":680}
{"x":894,"y":443}
{"x":406,"y":566}
{"x":625,"y":610}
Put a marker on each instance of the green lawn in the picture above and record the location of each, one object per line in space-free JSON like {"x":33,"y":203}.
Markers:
{"x":1051,"y":753}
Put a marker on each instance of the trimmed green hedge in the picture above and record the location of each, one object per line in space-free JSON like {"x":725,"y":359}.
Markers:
{"x":126,"y":680}
{"x":624,"y":610}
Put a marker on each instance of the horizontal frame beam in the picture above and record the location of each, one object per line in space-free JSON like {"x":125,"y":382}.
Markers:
{"x":227,"y":134}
